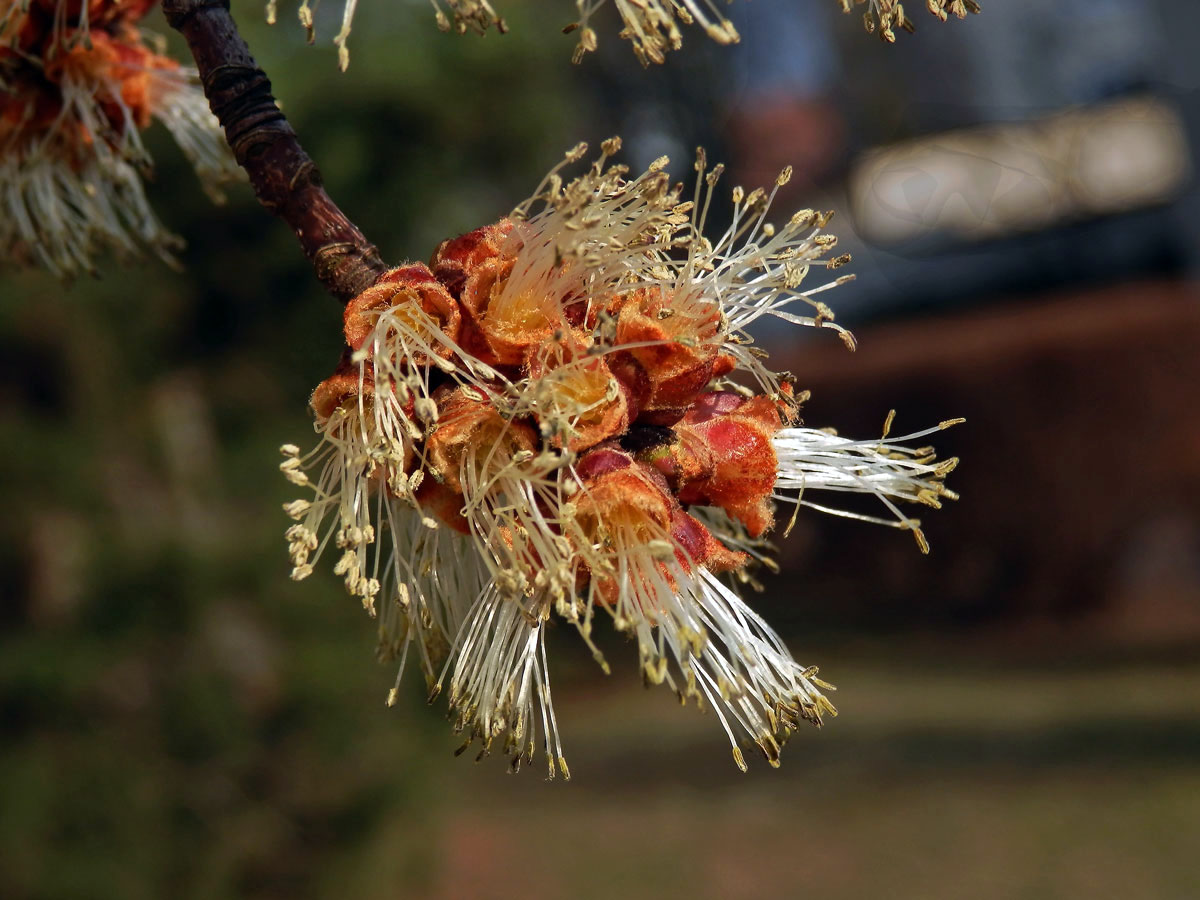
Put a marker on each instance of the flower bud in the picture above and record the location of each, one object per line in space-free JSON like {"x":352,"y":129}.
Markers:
{"x":698,"y":547}
{"x":725,"y":457}
{"x":674,"y":351}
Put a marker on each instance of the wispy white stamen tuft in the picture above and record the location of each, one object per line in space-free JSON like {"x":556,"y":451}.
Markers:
{"x":814,"y":460}
{"x":539,"y":424}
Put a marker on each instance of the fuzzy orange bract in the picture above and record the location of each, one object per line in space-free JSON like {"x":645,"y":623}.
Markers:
{"x":582,"y":383}
{"x":402,"y":290}
{"x":339,"y":388}
{"x":627,"y":503}
{"x":471,"y":425}
{"x":456,"y":259}
{"x":445,"y":503}
{"x":677,"y":350}
{"x":511,"y":323}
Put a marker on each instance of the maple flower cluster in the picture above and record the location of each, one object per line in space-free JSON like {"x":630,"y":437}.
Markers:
{"x":79,"y":81}
{"x":562,"y":415}
{"x":651,"y":26}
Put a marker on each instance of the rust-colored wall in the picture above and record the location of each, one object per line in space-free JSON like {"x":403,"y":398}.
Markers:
{"x":1080,"y":473}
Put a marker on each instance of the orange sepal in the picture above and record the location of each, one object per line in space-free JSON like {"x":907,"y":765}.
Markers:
{"x":456,"y":259}
{"x":588,"y":383}
{"x":412,"y":284}
{"x":345,"y":384}
{"x":510,"y":325}
{"x":470,"y":424}
{"x":737,"y":433}
{"x":699,"y":547}
{"x":623,"y":498}
{"x":676,"y":349}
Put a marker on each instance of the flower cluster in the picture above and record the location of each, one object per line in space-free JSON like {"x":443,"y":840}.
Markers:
{"x":651,"y":26}
{"x":78,"y":84}
{"x":562,"y":415}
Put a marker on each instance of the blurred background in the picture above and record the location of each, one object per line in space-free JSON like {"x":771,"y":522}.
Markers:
{"x":1020,"y":709}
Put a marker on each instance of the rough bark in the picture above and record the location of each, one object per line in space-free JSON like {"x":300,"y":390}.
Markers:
{"x":285,"y":180}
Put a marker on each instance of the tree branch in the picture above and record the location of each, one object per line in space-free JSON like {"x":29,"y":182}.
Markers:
{"x":285,"y":180}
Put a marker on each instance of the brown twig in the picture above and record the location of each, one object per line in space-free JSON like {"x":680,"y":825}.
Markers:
{"x":285,"y":180}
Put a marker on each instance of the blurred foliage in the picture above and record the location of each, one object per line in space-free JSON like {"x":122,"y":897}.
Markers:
{"x":178,"y":718}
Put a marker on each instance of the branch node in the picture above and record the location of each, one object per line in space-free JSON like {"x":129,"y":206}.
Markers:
{"x":179,"y":11}
{"x":306,"y":173}
{"x":284,"y":178}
